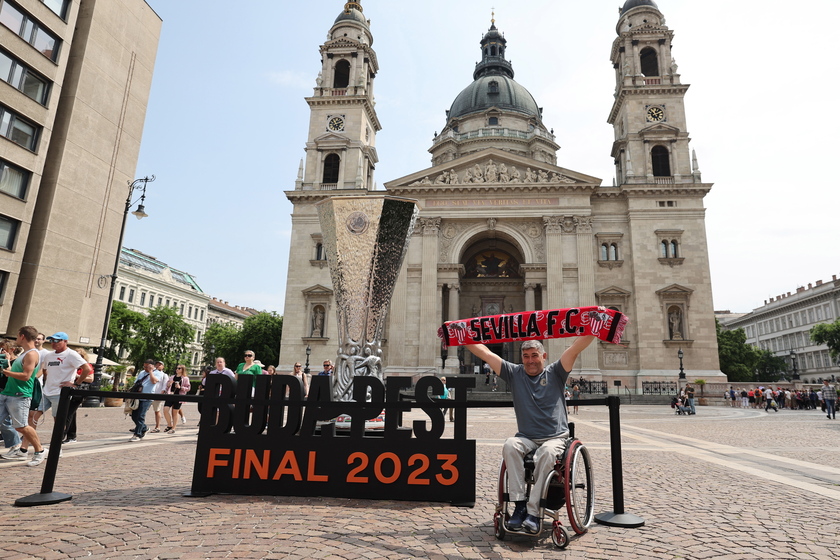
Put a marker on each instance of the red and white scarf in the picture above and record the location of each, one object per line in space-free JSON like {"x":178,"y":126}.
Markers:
{"x":605,"y":324}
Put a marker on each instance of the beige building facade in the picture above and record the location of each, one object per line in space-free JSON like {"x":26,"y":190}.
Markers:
{"x":74,"y":85}
{"x":503,"y":227}
{"x":783,"y":326}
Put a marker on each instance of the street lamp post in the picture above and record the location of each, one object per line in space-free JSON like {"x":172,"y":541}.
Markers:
{"x":140,"y":213}
{"x":308,"y":352}
{"x":680,"y":356}
{"x":793,"y":362}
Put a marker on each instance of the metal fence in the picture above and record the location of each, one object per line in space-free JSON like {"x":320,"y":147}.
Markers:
{"x":659,"y":388}
{"x":589,"y":387}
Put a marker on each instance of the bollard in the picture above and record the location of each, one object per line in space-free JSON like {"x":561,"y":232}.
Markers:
{"x":617,"y":517}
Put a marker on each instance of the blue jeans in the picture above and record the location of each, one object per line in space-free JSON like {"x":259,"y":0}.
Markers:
{"x":139,"y":417}
{"x":11,"y":437}
{"x":829,"y":408}
{"x":691,"y":405}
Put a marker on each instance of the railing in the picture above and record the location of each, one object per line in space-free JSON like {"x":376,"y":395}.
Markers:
{"x":663,"y":180}
{"x":653,"y":81}
{"x":491,"y":132}
{"x":338,"y":92}
{"x":329,"y":186}
{"x":659,"y":388}
{"x":589,"y":387}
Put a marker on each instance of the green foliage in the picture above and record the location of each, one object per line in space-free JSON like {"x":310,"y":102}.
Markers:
{"x":828,"y":334}
{"x":769,"y":366}
{"x":122,"y":327}
{"x":738,"y":360}
{"x":261,"y":333}
{"x":163,"y":335}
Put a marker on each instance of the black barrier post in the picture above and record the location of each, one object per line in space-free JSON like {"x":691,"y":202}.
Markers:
{"x":47,"y":496}
{"x":617,"y":517}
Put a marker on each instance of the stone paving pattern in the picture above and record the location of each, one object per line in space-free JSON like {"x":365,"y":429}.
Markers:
{"x":127,"y":498}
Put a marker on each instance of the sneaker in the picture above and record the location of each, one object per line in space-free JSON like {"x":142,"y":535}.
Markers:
{"x":15,"y":455}
{"x":37,"y":458}
{"x":531,"y":524}
{"x":69,"y":440}
{"x":519,"y":514}
{"x":183,"y":419}
{"x":136,"y":438}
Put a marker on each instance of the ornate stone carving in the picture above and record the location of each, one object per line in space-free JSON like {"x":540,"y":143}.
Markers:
{"x":491,"y":224}
{"x":569,"y":225}
{"x":514,"y":174}
{"x":429,"y":226}
{"x":583,"y":224}
{"x":450,"y":231}
{"x":491,"y":173}
{"x":553,"y":224}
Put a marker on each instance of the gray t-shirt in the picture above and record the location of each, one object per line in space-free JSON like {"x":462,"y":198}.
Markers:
{"x":538,"y":401}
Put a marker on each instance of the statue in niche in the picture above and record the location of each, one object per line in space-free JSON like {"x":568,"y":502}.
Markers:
{"x":503,"y":173}
{"x":491,"y":172}
{"x":318,"y":322}
{"x":514,"y":174}
{"x":675,"y":320}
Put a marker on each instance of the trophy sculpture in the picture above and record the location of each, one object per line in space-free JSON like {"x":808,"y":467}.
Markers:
{"x":365,"y":239}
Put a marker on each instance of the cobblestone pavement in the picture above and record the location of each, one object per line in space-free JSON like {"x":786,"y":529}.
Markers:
{"x":726,"y":483}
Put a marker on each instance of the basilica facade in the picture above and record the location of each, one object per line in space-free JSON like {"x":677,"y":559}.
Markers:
{"x":503,"y":228}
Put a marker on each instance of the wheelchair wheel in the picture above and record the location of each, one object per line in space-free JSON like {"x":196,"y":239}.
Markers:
{"x":501,"y":516}
{"x":580,"y":490}
{"x":559,"y":535}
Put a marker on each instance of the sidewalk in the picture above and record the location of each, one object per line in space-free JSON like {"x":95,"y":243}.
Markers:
{"x":726,"y":483}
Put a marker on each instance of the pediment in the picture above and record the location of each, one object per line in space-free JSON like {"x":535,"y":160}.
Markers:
{"x":659,"y":129}
{"x":331,"y":140}
{"x":674,"y":290}
{"x":317,"y":290}
{"x":613,"y":292}
{"x":492,"y":167}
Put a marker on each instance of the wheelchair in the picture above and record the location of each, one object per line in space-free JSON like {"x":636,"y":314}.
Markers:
{"x":570,"y":486}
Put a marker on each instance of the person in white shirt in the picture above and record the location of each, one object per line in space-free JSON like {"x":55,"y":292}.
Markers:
{"x":59,"y":369}
{"x":160,"y":388}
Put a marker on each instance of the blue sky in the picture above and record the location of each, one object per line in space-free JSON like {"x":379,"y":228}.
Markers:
{"x":227,"y":122}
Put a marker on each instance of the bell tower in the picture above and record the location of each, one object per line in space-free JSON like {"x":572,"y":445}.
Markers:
{"x":648,"y":115}
{"x":340,"y":149}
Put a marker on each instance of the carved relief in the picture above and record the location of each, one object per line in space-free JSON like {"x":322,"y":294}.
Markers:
{"x":450,"y":231}
{"x":536,"y":239}
{"x":494,"y":173}
{"x":583,"y":224}
{"x":553,"y":224}
{"x":429,"y":226}
{"x":569,"y":225}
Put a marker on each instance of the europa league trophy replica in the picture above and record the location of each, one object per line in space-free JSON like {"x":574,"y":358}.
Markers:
{"x":365,"y":239}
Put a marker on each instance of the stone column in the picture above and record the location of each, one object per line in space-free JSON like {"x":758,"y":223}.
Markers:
{"x":430,"y":300}
{"x":530,"y":301}
{"x":454,"y":305}
{"x":588,"y":360}
{"x":553,"y":294}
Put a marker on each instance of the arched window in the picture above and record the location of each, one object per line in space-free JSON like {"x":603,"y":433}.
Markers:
{"x":492,"y":51}
{"x":319,"y":252}
{"x":674,"y":252}
{"x":332,"y":163}
{"x":604,"y":252}
{"x":613,"y":252}
{"x":663,"y":249}
{"x":341,"y":78}
{"x":493,"y":87}
{"x":660,"y":161}
{"x":650,"y":62}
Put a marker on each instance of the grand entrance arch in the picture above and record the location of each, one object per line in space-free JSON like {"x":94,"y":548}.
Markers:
{"x":490,"y":281}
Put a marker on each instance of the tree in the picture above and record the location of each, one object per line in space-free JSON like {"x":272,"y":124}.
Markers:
{"x":828,"y":334}
{"x":122,"y":327}
{"x":262,"y":333}
{"x":769,"y":366}
{"x":162,"y":335}
{"x":222,"y":340}
{"x":738,"y":360}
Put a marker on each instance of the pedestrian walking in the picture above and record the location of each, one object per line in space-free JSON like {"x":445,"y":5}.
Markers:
{"x":179,"y":384}
{"x":829,"y":397}
{"x":148,"y":379}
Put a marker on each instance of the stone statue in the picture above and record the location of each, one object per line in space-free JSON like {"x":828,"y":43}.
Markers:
{"x":627,"y":69}
{"x":675,"y":318}
{"x":503,"y":173}
{"x":490,"y":172}
{"x":468,"y":178}
{"x":442,"y":179}
{"x":674,"y":66}
{"x":319,"y":81}
{"x":530,"y":177}
{"x":318,"y":322}
{"x":478,"y":176}
{"x":453,"y":177}
{"x":514,"y":174}
{"x":543,"y":176}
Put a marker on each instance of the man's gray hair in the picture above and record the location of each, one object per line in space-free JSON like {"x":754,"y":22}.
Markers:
{"x":532,"y":344}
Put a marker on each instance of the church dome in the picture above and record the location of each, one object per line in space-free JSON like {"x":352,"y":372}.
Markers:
{"x":494,"y":91}
{"x":630,"y":4}
{"x":352,"y":12}
{"x":493,"y":84}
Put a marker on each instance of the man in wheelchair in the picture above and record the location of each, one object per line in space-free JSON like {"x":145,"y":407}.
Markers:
{"x":539,"y":404}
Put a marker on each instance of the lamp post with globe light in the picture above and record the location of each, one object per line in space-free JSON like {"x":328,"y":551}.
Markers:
{"x":140,"y":213}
